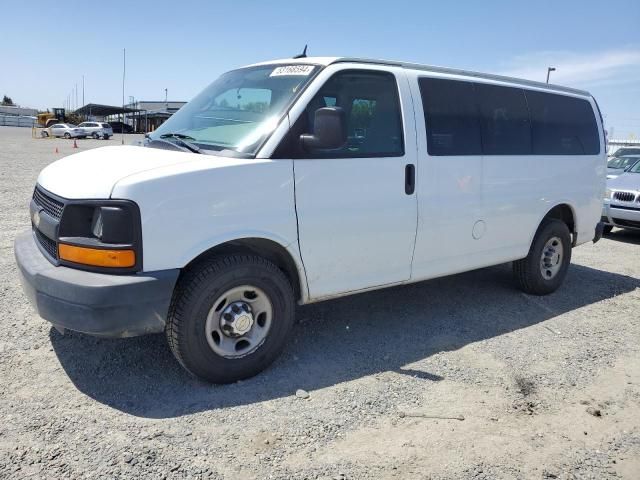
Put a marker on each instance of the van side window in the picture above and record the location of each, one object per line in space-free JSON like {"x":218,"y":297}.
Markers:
{"x":372,"y":107}
{"x":504,"y":118}
{"x":451,"y":117}
{"x":562,"y":125}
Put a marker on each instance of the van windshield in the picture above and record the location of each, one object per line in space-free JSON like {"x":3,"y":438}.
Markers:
{"x":239,"y":110}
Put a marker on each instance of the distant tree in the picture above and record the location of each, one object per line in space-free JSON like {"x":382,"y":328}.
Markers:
{"x":7,"y":101}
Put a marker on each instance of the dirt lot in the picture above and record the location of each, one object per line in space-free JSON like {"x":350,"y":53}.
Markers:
{"x":535,"y":387}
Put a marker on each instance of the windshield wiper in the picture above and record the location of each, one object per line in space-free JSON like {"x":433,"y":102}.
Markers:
{"x":176,"y":144}
{"x":181,"y":139}
{"x":177,"y":135}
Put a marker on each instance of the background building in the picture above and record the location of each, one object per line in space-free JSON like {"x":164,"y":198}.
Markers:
{"x":152,"y":113}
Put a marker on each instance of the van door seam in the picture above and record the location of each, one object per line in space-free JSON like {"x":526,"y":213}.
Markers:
{"x":416,"y":183}
{"x":295,"y":209}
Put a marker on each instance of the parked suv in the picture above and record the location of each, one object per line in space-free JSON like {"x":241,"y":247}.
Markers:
{"x":622,"y":200}
{"x":97,"y":129}
{"x":297,"y":181}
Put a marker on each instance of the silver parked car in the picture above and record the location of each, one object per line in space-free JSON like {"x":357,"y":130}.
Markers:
{"x":66,"y":130}
{"x":617,"y":165}
{"x":622,"y":200}
{"x":97,"y":129}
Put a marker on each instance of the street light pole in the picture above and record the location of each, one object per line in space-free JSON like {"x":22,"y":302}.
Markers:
{"x":549,"y":70}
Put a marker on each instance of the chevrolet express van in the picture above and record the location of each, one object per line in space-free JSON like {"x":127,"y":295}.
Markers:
{"x":301,"y":180}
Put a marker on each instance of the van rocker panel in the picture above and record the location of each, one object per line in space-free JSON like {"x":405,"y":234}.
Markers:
{"x":94,"y":303}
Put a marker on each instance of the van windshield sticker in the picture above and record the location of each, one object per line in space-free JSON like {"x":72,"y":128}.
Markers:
{"x":303,"y":70}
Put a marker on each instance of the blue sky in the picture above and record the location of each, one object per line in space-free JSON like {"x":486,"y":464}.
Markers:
{"x":183,"y":46}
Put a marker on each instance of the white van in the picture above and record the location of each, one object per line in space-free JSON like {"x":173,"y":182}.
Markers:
{"x":302,"y":180}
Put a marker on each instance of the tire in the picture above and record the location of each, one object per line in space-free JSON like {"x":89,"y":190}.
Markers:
{"x":95,"y":136}
{"x":541,"y":277}
{"x":195,"y":306}
{"x":44,"y":134}
{"x":607,"y":229}
{"x":106,"y":137}
{"x":67,"y":135}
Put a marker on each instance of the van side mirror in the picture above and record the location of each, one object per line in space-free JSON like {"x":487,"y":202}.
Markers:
{"x":329,"y":132}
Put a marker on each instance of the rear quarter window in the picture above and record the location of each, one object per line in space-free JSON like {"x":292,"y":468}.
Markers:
{"x":562,"y":125}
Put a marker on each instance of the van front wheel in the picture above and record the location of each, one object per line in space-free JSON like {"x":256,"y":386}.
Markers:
{"x":230,"y":317}
{"x":545,"y":268}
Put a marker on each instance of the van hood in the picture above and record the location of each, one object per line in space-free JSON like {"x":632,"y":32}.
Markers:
{"x":92,"y":174}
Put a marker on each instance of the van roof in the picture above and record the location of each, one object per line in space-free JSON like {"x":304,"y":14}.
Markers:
{"x":427,"y":68}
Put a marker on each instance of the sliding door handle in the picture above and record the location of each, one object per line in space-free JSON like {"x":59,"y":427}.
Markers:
{"x":409,"y":179}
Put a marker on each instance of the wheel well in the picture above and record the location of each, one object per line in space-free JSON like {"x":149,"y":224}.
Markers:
{"x":268,"y":249}
{"x":564,"y":213}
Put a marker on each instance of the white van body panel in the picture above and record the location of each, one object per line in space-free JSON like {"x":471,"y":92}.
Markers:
{"x":93,"y":173}
{"x":188,"y":208}
{"x":501,"y":199}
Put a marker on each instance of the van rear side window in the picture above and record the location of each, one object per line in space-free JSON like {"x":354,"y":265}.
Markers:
{"x":562,"y":125}
{"x":469,"y":118}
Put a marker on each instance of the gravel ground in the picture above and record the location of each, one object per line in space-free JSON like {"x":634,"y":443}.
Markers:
{"x":533,"y":387}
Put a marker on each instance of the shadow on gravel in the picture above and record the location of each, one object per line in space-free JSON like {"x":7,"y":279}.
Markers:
{"x":335,"y":341}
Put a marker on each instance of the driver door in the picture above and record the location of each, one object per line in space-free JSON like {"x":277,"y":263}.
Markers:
{"x":356,"y":215}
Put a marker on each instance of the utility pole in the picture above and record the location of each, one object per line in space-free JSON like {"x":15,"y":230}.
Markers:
{"x":549,"y":70}
{"x":166,"y":104}
{"x":76,"y":96}
{"x":124,"y":70}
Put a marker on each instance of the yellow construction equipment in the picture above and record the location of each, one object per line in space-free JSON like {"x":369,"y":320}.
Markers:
{"x":45,"y":120}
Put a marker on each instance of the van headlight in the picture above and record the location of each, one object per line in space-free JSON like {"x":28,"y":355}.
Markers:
{"x":607,"y":194}
{"x":101,"y":235}
{"x":112,"y":224}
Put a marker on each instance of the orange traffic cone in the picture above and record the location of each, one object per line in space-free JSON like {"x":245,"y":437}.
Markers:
{"x":75,"y":145}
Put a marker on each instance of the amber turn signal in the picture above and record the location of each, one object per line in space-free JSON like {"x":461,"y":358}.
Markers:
{"x":97,"y":257}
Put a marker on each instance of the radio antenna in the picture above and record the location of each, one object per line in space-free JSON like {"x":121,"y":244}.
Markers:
{"x":303,"y":54}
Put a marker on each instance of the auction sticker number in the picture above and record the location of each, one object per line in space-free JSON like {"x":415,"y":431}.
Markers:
{"x":292,"y":70}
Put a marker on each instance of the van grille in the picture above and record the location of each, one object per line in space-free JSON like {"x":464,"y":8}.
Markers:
{"x":50,"y":205}
{"x":624,"y":196}
{"x":46,"y":243}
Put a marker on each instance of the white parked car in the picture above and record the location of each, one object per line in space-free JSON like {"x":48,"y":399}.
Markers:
{"x":622,"y":200}
{"x":66,"y":130}
{"x":296,"y":181}
{"x":97,"y":129}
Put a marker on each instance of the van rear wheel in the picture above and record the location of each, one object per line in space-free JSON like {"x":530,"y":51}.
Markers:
{"x":545,"y":268}
{"x":230,"y":317}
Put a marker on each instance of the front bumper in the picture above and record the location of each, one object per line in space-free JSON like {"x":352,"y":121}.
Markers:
{"x":621,"y":216}
{"x":94,"y":303}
